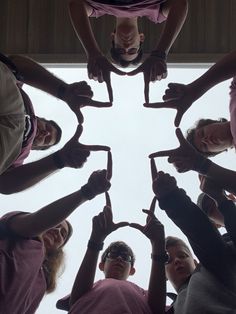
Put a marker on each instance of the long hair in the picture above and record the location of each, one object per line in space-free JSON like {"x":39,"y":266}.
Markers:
{"x":54,"y":263}
{"x":53,"y":267}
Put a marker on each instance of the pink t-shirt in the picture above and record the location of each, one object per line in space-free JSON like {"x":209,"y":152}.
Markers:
{"x":22,"y":281}
{"x":112,"y":296}
{"x":150,"y":9}
{"x":232,"y":109}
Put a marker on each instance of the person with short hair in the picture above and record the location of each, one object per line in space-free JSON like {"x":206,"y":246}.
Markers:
{"x":211,"y":287}
{"x":126,"y":38}
{"x":31,"y":247}
{"x":21,"y":130}
{"x":115,"y":294}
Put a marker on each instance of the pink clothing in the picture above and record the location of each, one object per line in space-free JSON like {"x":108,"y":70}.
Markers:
{"x":137,"y":8}
{"x":232,"y":109}
{"x":22,"y":281}
{"x":112,"y":296}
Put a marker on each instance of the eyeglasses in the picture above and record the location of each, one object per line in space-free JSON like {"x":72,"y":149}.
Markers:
{"x":124,"y":256}
{"x":130,"y":51}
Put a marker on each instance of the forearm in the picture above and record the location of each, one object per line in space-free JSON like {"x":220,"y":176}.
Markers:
{"x":223,"y":70}
{"x":82,"y":26}
{"x":85,"y":276}
{"x":37,"y":76}
{"x":22,"y":177}
{"x":157,"y":282}
{"x":34,"y":224}
{"x":204,"y":237}
{"x":177,"y":11}
{"x":223,"y":177}
{"x":228,"y":210}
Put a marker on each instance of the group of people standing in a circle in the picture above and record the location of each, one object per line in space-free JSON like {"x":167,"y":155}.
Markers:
{"x":31,"y":244}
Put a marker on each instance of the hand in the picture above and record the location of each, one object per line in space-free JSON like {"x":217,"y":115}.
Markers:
{"x":74,"y":154}
{"x":153,"y":68}
{"x":185,"y":157}
{"x":162,"y":183}
{"x":79,"y":95}
{"x":99,"y":181}
{"x":179,"y":97}
{"x":99,"y":69}
{"x":103,"y":223}
{"x":209,"y":187}
{"x":153,"y":229}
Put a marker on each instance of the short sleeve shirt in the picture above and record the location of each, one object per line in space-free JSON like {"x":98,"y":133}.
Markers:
{"x":150,"y":9}
{"x":22,"y":281}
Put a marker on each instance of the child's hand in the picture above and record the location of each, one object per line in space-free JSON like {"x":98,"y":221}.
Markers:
{"x":103,"y":223}
{"x":153,"y":229}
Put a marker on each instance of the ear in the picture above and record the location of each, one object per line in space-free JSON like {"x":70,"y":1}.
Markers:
{"x":142,"y":37}
{"x":132,"y":271}
{"x":101,"y":266}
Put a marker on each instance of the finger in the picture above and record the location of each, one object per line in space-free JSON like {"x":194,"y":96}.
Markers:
{"x":108,"y":213}
{"x":180,"y":136}
{"x":78,"y":132}
{"x":136,"y":226}
{"x":121,"y":224}
{"x":136,"y":71}
{"x":153,"y":169}
{"x":117,"y":71}
{"x":148,"y":212}
{"x":163,"y":153}
{"x":95,"y":148}
{"x":98,"y":104}
{"x":178,"y":118}
{"x":109,"y":87}
{"x":153,"y":204}
{"x":158,"y":105}
{"x":79,"y":116}
{"x":109,"y":165}
{"x":146,"y":87}
{"x":108,"y":199}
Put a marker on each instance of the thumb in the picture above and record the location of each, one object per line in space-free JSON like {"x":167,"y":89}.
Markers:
{"x":135,"y":71}
{"x":78,"y":132}
{"x":178,"y":118}
{"x":136,"y":226}
{"x":121,"y":224}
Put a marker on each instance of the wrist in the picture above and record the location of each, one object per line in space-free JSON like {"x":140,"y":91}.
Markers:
{"x":159,"y":54}
{"x":87,"y":192}
{"x":95,"y":245}
{"x":161,"y":258}
{"x":61,"y":91}
{"x":202,"y":164}
{"x":58,"y":160}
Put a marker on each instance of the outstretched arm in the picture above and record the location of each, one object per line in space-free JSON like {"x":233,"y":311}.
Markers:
{"x":154,"y":231}
{"x":73,"y":154}
{"x":99,"y":67}
{"x":181,"y":97}
{"x":176,"y":12}
{"x":103,"y":225}
{"x":154,"y":67}
{"x":34,"y":224}
{"x":205,"y":239}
